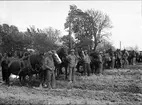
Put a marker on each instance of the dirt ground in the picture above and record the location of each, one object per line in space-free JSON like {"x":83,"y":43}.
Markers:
{"x":114,"y":87}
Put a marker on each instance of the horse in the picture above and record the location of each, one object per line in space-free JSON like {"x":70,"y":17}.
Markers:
{"x":107,"y":61}
{"x":131,"y":56}
{"x":36,"y":63}
{"x":17,"y":67}
{"x":13,"y":67}
{"x":95,"y":61}
{"x":63,"y":53}
{"x":80,"y":63}
{"x":48,"y":72}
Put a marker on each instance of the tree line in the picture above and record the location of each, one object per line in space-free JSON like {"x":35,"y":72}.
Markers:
{"x":86,"y":25}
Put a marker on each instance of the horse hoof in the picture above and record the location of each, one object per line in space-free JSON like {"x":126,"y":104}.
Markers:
{"x":21,"y":84}
{"x":9,"y":85}
{"x":38,"y":88}
{"x":29,"y":86}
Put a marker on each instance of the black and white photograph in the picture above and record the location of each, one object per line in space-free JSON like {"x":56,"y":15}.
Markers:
{"x":71,"y":52}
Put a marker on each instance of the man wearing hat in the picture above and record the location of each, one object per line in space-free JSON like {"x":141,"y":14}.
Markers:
{"x":4,"y":65}
{"x":87,"y":61}
{"x":72,"y":65}
{"x":48,"y":67}
{"x":100,"y":61}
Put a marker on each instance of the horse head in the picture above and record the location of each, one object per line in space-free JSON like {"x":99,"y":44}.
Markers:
{"x":63,"y":53}
{"x":56,"y":57}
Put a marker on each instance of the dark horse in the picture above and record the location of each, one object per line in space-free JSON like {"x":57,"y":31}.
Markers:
{"x":63,"y":53}
{"x":36,"y":62}
{"x":13,"y":67}
{"x":80,"y":62}
{"x":33,"y":67}
{"x":95,"y":61}
{"x":17,"y":67}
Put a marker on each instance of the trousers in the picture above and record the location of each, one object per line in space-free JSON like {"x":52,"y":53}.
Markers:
{"x":72,"y":74}
{"x":48,"y":78}
{"x":87,"y":69}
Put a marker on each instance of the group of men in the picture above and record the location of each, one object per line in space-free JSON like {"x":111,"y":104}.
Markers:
{"x":73,"y":59}
{"x":120,"y":59}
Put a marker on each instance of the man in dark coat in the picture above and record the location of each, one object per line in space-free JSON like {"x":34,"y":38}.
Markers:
{"x":112,"y":60}
{"x":48,"y":67}
{"x":4,"y":65}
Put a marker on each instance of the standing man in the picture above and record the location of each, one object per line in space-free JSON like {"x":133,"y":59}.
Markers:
{"x":125,"y":56}
{"x":112,"y":60}
{"x":48,"y":74}
{"x":4,"y":65}
{"x":134,"y":57}
{"x":119,"y":58}
{"x":87,"y":61}
{"x":72,"y":65}
{"x":100,"y":63}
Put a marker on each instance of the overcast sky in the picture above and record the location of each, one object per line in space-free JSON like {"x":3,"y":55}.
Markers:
{"x":126,"y":17}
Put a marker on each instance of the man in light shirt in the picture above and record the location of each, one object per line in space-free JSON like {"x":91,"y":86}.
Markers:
{"x":87,"y":61}
{"x":72,"y":65}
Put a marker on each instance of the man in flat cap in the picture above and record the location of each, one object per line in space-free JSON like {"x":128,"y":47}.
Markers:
{"x":48,"y":66}
{"x":72,"y":65}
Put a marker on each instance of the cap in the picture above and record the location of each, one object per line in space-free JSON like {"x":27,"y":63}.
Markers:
{"x":53,"y":51}
{"x":72,"y":50}
{"x":49,"y":52}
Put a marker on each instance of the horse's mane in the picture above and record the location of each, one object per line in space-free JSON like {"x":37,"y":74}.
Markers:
{"x":62,"y":51}
{"x":94,"y":54}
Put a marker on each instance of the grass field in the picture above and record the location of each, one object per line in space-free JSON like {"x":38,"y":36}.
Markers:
{"x":114,"y":87}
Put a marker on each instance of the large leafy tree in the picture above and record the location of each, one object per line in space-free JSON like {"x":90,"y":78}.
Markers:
{"x":43,"y":40}
{"x":66,"y":41}
{"x":11,"y":38}
{"x":105,"y":46}
{"x":78,"y":23}
{"x":87,"y":25}
{"x":102,"y":23}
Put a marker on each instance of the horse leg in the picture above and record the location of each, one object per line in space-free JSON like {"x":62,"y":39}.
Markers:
{"x":41,"y":79}
{"x":20,"y":79}
{"x":91,"y":67}
{"x":60,"y":70}
{"x":30,"y":80}
{"x":66,"y":72}
{"x":57,"y":71}
{"x":77,"y":67}
{"x":7,"y":78}
{"x":37,"y":76}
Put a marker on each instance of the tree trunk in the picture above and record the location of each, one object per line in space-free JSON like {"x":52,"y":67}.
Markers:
{"x":95,"y":47}
{"x":95,"y":42}
{"x":70,"y":41}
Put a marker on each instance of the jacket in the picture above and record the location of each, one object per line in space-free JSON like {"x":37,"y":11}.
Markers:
{"x":48,"y":63}
{"x":87,"y":59}
{"x":72,"y":60}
